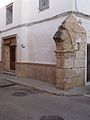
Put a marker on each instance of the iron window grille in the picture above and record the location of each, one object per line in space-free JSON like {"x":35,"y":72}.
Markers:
{"x":43,"y":5}
{"x":9,"y":13}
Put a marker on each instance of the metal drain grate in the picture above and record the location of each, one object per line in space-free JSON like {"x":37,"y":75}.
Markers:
{"x":20,"y":94}
{"x":51,"y":118}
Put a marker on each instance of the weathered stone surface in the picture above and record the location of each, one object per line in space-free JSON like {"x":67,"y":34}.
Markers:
{"x":71,"y":45}
{"x":65,"y":55}
{"x":43,"y":72}
{"x":82,"y":46}
{"x":71,"y":83}
{"x":65,"y":63}
{"x":71,"y":23}
{"x":80,"y":54}
{"x":79,"y":63}
{"x":75,"y":46}
{"x":63,"y":40}
{"x":75,"y":81}
{"x":67,"y":73}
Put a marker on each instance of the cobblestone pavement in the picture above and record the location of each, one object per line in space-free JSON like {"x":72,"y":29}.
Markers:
{"x":20,"y":103}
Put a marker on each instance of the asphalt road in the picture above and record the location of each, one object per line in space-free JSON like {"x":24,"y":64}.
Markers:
{"x":19,"y":103}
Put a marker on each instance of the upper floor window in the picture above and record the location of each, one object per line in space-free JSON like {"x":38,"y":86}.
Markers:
{"x":43,"y":4}
{"x":9,"y":13}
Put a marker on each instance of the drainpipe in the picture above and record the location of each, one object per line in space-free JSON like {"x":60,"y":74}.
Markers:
{"x":76,"y":6}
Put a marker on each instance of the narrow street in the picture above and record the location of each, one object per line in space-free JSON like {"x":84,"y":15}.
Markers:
{"x":44,"y":59}
{"x":21,"y":103}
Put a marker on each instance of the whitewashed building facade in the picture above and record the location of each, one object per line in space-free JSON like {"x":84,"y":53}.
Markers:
{"x":27,"y":28}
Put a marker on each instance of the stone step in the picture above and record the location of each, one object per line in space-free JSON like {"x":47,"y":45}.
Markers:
{"x":10,"y":72}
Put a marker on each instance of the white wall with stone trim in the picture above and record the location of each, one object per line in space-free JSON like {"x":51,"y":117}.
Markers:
{"x":16,"y":14}
{"x":83,"y":6}
{"x":86,"y":24}
{"x":16,"y":32}
{"x":41,"y":45}
{"x":27,"y":11}
{"x":37,"y":38}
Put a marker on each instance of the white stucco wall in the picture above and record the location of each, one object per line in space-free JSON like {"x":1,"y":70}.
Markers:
{"x":39,"y":45}
{"x":83,"y":6}
{"x":16,"y":14}
{"x":37,"y":39}
{"x":26,"y":11}
{"x":55,"y":7}
{"x":16,"y":21}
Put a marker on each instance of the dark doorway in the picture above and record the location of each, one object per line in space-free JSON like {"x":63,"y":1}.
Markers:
{"x":12,"y":57}
{"x":88,"y":63}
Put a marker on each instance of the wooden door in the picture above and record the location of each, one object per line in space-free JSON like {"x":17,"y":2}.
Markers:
{"x":12,"y":57}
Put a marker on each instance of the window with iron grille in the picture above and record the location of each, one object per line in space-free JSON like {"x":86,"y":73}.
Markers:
{"x":43,"y":4}
{"x":9,"y":14}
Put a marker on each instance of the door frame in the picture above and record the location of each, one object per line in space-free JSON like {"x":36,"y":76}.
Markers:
{"x":3,"y":41}
{"x":86,"y":83}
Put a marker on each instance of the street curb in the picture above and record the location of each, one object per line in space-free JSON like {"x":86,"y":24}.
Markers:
{"x":15,"y":80}
{"x":49,"y":92}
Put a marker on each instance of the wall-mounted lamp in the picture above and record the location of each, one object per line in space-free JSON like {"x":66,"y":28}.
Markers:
{"x":22,"y":45}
